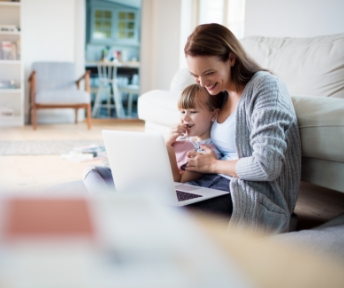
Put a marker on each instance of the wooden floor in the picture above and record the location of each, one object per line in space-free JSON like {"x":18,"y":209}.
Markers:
{"x":315,"y":205}
{"x":35,"y":173}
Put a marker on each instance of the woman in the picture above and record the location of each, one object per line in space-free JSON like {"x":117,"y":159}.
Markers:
{"x":256,"y":131}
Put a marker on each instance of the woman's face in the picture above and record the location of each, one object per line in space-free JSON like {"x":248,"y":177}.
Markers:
{"x":210,"y":72}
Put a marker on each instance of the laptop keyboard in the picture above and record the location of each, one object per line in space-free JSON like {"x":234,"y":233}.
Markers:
{"x":182,"y":196}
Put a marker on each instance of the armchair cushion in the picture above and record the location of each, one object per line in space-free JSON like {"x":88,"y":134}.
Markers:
{"x":62,"y":96}
{"x":55,"y":85}
{"x":54,"y":75}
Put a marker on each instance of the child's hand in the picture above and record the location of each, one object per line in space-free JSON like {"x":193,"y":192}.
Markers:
{"x":175,"y":131}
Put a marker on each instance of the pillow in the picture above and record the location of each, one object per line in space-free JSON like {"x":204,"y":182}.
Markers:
{"x":308,"y":66}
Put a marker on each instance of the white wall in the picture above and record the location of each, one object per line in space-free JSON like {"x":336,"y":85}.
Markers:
{"x":293,"y":18}
{"x":49,"y":33}
{"x":160,"y":43}
{"x":167,"y":23}
{"x":188,"y":22}
{"x":54,"y":30}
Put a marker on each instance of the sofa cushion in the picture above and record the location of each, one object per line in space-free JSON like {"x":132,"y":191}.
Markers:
{"x":321,"y":122}
{"x":308,"y":66}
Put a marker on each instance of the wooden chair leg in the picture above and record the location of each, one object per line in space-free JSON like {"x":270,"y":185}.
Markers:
{"x":88,"y":112}
{"x":76,"y":115}
{"x":29,"y":116}
{"x":34,"y":118}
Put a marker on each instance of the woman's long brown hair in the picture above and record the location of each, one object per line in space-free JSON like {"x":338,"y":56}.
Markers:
{"x":217,"y":40}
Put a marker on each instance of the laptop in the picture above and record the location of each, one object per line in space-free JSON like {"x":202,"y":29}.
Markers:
{"x":139,"y":162}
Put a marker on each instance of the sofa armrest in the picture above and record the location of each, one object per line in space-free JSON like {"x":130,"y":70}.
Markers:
{"x":159,"y":106}
{"x":321,"y":123}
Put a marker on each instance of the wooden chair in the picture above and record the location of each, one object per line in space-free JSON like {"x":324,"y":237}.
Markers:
{"x":132,"y":91}
{"x":53,"y":85}
{"x":107,"y":73}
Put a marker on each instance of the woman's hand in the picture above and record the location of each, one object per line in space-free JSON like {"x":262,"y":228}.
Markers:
{"x":175,"y":131}
{"x":207,"y":162}
{"x":204,"y":162}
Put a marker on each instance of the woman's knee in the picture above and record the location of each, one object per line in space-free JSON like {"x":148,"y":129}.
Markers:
{"x":103,"y":172}
{"x":98,"y":178}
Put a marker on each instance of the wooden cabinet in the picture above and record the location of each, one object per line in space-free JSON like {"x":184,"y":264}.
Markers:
{"x":114,"y":24}
{"x":11,"y":65}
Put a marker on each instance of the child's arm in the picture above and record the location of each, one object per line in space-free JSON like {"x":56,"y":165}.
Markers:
{"x":173,"y":161}
{"x":186,"y":176}
{"x":175,"y":131}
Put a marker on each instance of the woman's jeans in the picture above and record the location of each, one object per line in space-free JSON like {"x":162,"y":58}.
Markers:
{"x":99,"y":179}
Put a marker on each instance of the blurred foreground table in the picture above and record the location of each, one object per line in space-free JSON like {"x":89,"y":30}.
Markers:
{"x":133,"y":241}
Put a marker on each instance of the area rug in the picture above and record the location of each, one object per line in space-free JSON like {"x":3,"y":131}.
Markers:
{"x":44,"y":147}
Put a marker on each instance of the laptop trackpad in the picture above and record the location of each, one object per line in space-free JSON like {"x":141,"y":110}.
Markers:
{"x":187,"y":188}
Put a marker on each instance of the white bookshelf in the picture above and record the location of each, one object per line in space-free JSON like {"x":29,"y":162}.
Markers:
{"x":11,"y":69}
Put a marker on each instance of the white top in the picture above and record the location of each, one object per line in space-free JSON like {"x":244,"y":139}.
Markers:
{"x":223,"y":136}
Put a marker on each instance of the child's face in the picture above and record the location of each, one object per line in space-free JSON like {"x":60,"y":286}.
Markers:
{"x":198,"y":121}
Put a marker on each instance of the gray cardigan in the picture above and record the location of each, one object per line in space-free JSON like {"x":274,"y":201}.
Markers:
{"x":269,"y":150}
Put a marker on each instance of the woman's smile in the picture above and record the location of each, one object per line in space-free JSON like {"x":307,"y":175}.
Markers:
{"x":212,"y":87}
{"x":211,"y":73}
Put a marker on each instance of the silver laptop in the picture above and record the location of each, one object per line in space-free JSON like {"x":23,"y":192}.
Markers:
{"x":139,"y":162}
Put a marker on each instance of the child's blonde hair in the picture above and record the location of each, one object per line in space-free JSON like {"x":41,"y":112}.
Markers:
{"x":193,"y":92}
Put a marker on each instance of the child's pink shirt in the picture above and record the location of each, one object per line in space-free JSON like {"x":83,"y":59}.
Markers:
{"x":184,"y":145}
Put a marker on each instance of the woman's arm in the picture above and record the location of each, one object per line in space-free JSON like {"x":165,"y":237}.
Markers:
{"x":226,"y":167}
{"x":272,"y":122}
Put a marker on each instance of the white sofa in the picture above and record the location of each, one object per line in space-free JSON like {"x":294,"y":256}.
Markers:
{"x":313,"y":70}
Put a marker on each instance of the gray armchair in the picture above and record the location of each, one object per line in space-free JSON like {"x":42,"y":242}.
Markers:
{"x":53,"y":85}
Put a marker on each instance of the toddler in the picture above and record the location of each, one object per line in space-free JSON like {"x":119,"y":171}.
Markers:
{"x":198,"y":110}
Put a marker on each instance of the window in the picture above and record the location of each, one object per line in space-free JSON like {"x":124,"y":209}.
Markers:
{"x":236,"y":17}
{"x":230,"y":13}
{"x":211,"y":11}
